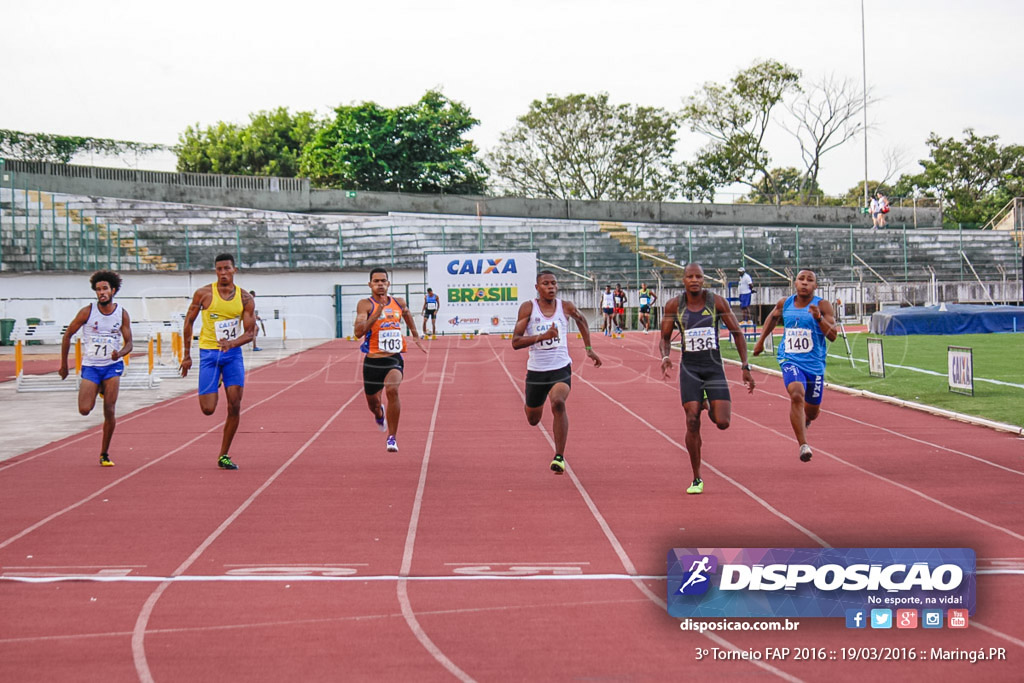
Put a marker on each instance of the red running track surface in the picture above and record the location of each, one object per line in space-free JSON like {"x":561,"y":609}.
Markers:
{"x":325,"y":558}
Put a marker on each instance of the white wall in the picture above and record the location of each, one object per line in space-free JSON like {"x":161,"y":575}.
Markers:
{"x":305,"y":300}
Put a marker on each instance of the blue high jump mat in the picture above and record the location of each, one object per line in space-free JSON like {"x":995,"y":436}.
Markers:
{"x":948,"y":319}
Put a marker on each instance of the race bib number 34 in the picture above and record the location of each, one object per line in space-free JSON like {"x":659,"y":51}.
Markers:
{"x":701,"y":339}
{"x":799,"y":340}
{"x":226,"y":329}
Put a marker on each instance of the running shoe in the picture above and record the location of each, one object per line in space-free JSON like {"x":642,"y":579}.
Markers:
{"x":224,"y":462}
{"x":256,"y":348}
{"x":105,"y":460}
{"x":696,"y":487}
{"x":558,"y":465}
{"x":392,"y":444}
{"x":805,"y":453}
{"x":381,"y":426}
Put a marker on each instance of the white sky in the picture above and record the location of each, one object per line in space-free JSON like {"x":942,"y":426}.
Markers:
{"x":143,"y":71}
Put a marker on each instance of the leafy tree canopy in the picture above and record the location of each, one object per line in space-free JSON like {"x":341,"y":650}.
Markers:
{"x":15,"y":144}
{"x":270,"y":145}
{"x":413,"y":148}
{"x":973,"y":177}
{"x":584,"y":147}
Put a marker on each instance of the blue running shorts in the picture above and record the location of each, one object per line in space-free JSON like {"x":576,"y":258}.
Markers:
{"x":215,"y":365}
{"x":814,"y":385}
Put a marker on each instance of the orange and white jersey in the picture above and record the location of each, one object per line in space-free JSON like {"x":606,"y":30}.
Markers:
{"x":385,"y":335}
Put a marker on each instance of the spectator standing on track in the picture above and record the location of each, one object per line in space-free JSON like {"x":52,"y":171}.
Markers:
{"x":607,"y":310}
{"x":746,"y":289}
{"x":431,"y":304}
{"x":619,"y":300}
{"x":259,"y":324}
{"x":228,"y":315}
{"x":379,"y":321}
{"x":809,"y":320}
{"x":107,"y":330}
{"x":543,"y":327}
{"x":702,"y":383}
{"x":646,"y":298}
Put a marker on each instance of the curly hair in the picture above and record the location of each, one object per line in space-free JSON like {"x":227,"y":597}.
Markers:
{"x":108,"y":276}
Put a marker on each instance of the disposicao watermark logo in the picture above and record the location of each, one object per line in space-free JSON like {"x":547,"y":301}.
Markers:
{"x":817,"y":582}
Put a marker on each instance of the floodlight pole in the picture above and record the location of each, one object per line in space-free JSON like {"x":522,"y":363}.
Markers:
{"x":864,"y":71}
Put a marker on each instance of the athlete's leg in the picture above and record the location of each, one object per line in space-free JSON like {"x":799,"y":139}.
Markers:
{"x":111,"y":387}
{"x":394,"y":408}
{"x":560,"y":425}
{"x":87,"y":392}
{"x":233,"y":396}
{"x":693,"y":440}
{"x":373,"y":402}
{"x":720,"y":413}
{"x":796,"y":411}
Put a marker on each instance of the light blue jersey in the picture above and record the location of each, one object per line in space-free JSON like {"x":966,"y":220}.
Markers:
{"x":804,"y":344}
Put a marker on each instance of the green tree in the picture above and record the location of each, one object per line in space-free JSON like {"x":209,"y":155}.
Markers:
{"x":61,"y":149}
{"x":973,"y":177}
{"x":791,"y":184}
{"x":583,"y":147}
{"x":736,"y":119}
{"x":270,"y":145}
{"x":414,"y":148}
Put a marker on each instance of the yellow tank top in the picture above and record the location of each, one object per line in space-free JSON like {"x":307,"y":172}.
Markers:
{"x":222,"y":320}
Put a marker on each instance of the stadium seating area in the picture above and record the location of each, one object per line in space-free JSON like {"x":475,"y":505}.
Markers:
{"x":47,"y":231}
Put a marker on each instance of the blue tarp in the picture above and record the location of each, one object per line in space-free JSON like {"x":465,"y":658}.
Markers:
{"x":948,"y":319}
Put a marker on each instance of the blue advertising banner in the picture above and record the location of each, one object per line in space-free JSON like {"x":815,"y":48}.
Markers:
{"x":817,"y":582}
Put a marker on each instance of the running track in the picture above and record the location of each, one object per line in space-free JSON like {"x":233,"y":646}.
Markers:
{"x":324,"y":558}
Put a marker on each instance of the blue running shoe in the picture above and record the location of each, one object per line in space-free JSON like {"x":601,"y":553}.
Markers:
{"x":392,"y":444}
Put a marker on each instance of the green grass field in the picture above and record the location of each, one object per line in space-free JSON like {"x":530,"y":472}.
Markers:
{"x":996,"y":357}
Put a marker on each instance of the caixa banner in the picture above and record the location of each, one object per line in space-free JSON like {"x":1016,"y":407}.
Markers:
{"x":481,"y":292}
{"x":816,"y":582}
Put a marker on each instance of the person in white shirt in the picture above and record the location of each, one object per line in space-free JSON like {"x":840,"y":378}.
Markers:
{"x":746,"y":288}
{"x":879,"y":211}
{"x":608,"y":310}
{"x":543,"y":327}
{"x":107,"y":334}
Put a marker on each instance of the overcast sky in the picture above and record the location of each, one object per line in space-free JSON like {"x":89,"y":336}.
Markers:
{"x":143,"y":71}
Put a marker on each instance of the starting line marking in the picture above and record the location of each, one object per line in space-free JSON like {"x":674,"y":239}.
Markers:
{"x":183,"y":578}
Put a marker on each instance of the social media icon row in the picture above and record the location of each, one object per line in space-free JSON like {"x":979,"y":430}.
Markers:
{"x":905,"y":618}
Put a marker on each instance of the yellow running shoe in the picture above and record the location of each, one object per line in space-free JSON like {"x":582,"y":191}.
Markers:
{"x":696,"y":487}
{"x":558,"y":465}
{"x":105,"y":460}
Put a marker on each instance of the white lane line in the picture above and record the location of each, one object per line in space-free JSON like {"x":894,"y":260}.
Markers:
{"x":627,"y":563}
{"x":320,"y":578}
{"x":761,"y":501}
{"x":149,"y":464}
{"x":284,"y":623}
{"x":402,"y":588}
{"x":97,"y":430}
{"x":139,"y":633}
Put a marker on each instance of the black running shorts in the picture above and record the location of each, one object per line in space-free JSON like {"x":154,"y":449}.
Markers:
{"x":539,"y":383}
{"x":699,"y":379}
{"x":376,"y":369}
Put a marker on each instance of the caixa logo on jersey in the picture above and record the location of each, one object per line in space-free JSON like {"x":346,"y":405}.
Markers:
{"x":482,"y":266}
{"x":816,"y":582}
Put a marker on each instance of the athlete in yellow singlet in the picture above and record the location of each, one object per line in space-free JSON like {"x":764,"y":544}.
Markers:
{"x":379,"y":322}
{"x":228,"y":324}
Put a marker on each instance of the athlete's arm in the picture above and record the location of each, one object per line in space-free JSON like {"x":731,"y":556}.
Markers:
{"x":654,"y":297}
{"x":519,"y":340}
{"x":186,"y":329}
{"x":825,"y":318}
{"x":248,"y":324}
{"x":584,"y":328}
{"x":668,"y":326}
{"x":769,"y":324}
{"x":126,"y":336}
{"x":366,"y":315}
{"x":729,"y":318}
{"x":407,"y":316}
{"x":65,"y":344}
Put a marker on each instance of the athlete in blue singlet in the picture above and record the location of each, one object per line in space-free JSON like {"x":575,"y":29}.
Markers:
{"x":809,"y":321}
